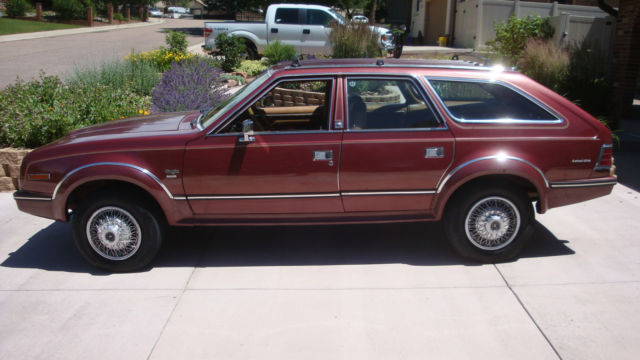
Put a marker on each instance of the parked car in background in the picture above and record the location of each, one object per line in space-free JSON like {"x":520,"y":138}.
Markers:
{"x":360,"y":19}
{"x":177,"y":9}
{"x":155,"y":12}
{"x":322,"y":142}
{"x":307,"y":27}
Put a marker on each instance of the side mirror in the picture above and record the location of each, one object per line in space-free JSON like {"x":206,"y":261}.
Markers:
{"x":247,"y":132}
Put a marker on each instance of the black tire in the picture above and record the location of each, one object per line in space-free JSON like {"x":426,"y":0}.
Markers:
{"x":251,"y":53}
{"x":489,"y":224}
{"x":127,"y":234}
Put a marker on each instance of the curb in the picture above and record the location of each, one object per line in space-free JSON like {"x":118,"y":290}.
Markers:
{"x":66,"y":32}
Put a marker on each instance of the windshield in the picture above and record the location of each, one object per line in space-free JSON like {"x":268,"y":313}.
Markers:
{"x":340,"y":18}
{"x":218,"y":110}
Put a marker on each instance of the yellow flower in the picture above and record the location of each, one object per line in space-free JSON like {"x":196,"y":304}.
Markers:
{"x":140,"y":111}
{"x":146,"y":112}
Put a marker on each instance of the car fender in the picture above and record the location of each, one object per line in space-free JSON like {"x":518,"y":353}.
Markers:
{"x":490,"y":166}
{"x":249,"y":36}
{"x":123,"y":172}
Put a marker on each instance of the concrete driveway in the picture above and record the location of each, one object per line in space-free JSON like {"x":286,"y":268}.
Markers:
{"x":329,"y":292}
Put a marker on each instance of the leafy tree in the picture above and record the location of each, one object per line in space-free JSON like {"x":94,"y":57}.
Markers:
{"x":233,"y":6}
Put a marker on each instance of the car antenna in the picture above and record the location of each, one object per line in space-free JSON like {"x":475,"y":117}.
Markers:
{"x":379,"y":62}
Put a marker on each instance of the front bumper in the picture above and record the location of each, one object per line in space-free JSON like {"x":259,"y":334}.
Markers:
{"x":34,"y":204}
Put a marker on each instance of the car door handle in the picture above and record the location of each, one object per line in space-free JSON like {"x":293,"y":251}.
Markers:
{"x":324,"y":155}
{"x":274,"y":30}
{"x":434,"y":152}
{"x":306,"y":31}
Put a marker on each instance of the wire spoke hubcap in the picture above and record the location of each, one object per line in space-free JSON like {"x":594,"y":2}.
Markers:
{"x":492,"y":223}
{"x":113,"y":233}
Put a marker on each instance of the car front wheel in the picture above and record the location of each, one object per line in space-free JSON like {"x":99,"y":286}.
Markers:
{"x":117,"y":235}
{"x":489,"y":224}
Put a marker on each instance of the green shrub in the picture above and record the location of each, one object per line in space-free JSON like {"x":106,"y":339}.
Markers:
{"x":68,"y":9}
{"x":277,"y":51}
{"x":118,"y":16}
{"x":138,"y":77}
{"x":545,"y":62}
{"x":17,"y":8}
{"x":512,"y":35}
{"x":354,"y":41}
{"x":586,"y":82}
{"x":237,"y":78}
{"x":252,"y":67}
{"x":230,"y":47}
{"x":40,"y":111}
{"x":177,"y":42}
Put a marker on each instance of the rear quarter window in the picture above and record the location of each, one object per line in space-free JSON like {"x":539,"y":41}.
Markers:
{"x":487,"y":101}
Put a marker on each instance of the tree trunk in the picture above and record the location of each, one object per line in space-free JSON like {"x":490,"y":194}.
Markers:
{"x":372,"y":14}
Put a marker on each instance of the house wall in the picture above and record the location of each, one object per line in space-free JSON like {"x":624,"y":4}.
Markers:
{"x":475,"y":18}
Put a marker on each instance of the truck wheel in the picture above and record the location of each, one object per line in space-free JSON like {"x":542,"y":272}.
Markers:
{"x":489,"y":224}
{"x":117,"y":235}
{"x":251,"y":53}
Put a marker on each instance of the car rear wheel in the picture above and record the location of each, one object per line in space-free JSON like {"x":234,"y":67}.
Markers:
{"x":489,"y":224}
{"x":117,"y":235}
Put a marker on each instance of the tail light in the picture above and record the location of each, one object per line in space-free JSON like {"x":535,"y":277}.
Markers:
{"x":207,"y":32}
{"x":605,"y":159}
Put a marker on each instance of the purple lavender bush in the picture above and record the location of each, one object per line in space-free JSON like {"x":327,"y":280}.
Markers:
{"x":189,"y":85}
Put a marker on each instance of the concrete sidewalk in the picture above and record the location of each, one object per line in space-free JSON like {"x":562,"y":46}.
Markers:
{"x":82,"y":30}
{"x":329,"y":292}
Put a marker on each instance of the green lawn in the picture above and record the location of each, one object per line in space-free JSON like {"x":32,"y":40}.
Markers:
{"x":15,"y":26}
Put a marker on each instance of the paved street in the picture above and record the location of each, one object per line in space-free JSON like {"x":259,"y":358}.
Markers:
{"x":59,"y":55}
{"x":327,"y":292}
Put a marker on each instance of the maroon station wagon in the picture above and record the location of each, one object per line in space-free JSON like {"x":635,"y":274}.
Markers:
{"x":327,"y":142}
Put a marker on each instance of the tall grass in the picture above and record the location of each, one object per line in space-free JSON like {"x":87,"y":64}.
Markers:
{"x":545,"y":62}
{"x":139,"y":77}
{"x":354,"y":41}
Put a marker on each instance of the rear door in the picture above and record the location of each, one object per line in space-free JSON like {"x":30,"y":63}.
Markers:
{"x":287,"y":26}
{"x":395,"y":148}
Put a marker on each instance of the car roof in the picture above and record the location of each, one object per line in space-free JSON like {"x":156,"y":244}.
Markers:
{"x":381,"y":63}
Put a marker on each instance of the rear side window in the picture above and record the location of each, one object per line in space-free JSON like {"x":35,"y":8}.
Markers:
{"x":487,"y":101}
{"x":286,"y":16}
{"x":387,"y":104}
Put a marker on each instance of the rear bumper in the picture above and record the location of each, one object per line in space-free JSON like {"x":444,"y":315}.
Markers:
{"x":34,"y":204}
{"x":571,"y":192}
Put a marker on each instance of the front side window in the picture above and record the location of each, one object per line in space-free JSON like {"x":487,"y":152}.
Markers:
{"x":287,"y":16}
{"x":318,"y":17}
{"x":387,"y":104}
{"x":487,"y":101}
{"x":295,"y":105}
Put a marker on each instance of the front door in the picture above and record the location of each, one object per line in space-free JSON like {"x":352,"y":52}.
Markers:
{"x":288,"y":166}
{"x":395,"y":149}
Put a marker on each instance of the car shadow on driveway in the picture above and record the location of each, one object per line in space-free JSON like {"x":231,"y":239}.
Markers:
{"x":418,"y":244}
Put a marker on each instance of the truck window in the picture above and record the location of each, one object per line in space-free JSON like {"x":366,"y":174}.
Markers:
{"x":318,"y":17}
{"x":287,"y":16}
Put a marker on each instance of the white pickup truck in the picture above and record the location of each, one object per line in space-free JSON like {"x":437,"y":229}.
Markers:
{"x":304,"y":26}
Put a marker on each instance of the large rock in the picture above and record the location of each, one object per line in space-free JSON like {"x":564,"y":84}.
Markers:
{"x":10,"y":161}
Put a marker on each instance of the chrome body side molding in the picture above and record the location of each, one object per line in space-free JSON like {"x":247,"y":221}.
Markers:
{"x":585,"y":183}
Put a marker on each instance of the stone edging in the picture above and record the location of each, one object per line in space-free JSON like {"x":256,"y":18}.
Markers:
{"x":10,"y":161}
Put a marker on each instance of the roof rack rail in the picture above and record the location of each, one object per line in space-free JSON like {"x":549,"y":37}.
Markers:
{"x":296,"y":61}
